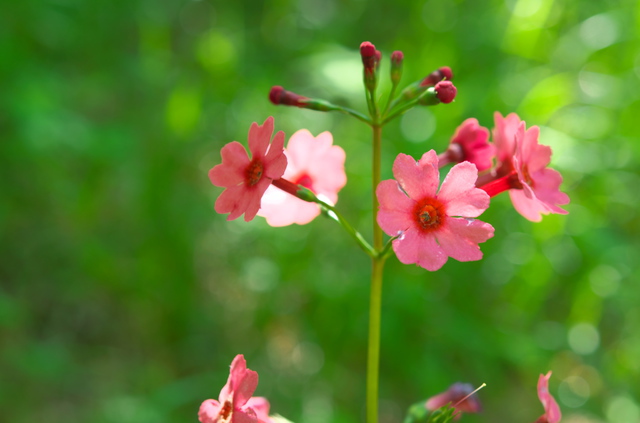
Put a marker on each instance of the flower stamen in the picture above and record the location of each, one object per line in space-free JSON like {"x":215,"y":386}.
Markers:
{"x":430,"y":214}
{"x":254,"y":172}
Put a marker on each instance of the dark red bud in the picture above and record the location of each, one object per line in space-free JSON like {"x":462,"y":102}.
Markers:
{"x":436,"y":76}
{"x":279,"y":95}
{"x":369,"y":53}
{"x":446,"y":91}
{"x":446,"y":72}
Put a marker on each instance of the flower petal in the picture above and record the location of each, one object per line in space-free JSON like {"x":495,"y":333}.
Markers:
{"x":243,"y":381}
{"x":418,"y":179}
{"x":246,"y":415}
{"x":535,"y":156}
{"x":395,"y":214}
{"x":547,"y":189}
{"x":551,"y":408}
{"x":209,"y":411}
{"x":504,"y":135}
{"x":233,"y":200}
{"x":419,"y":248}
{"x":259,"y":137}
{"x":275,"y":162}
{"x":473,"y":139}
{"x":460,"y":237}
{"x":460,"y":194}
{"x":282,"y":209}
{"x":261,"y":407}
{"x":231,"y":171}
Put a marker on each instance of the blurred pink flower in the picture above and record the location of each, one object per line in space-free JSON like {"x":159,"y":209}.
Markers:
{"x":314,"y":163}
{"x":469,"y":143}
{"x":458,"y":396}
{"x":552,"y":412}
{"x":235,"y":404}
{"x":244,"y":178}
{"x":423,"y":219}
{"x":522,"y":169}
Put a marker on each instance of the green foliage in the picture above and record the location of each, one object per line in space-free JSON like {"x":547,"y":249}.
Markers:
{"x":124,"y":297}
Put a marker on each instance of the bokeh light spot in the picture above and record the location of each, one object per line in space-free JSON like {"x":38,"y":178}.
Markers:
{"x":261,"y":274}
{"x":574,"y":391}
{"x":417,"y":125}
{"x":525,"y":8}
{"x":183,"y":110}
{"x":215,"y":51}
{"x":604,"y":280}
{"x":599,"y":31}
{"x":308,"y":358}
{"x":584,"y":338}
{"x":622,"y":409}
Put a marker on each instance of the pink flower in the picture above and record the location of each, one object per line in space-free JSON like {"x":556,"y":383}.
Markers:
{"x":459,"y":397}
{"x":314,"y":163}
{"x":552,"y":412}
{"x":244,"y":178}
{"x":423,"y":219}
{"x":235,"y":403}
{"x":522,"y":169}
{"x":469,"y":143}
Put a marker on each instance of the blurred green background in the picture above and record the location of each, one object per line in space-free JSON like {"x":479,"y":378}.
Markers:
{"x":124,"y":296}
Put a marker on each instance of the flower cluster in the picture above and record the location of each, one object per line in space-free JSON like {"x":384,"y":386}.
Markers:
{"x":426,"y":221}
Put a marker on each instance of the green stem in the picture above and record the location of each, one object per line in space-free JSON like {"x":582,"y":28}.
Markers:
{"x":375,"y":180}
{"x":335,"y":215}
{"x":355,"y":114}
{"x":391,"y":95}
{"x":373,"y":352}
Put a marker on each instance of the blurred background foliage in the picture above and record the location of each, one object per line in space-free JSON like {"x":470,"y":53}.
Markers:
{"x":124,"y":296}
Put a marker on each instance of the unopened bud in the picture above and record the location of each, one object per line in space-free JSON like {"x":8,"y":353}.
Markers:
{"x":280,"y":96}
{"x":458,"y":395}
{"x":443,"y":73}
{"x":396,"y":66}
{"x":368,"y":53}
{"x":446,"y":91}
{"x":371,"y":61}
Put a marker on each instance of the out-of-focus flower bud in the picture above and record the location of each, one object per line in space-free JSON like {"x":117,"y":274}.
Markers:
{"x":436,"y":76}
{"x":280,"y":96}
{"x":459,"y":396}
{"x":396,"y":66}
{"x":446,"y":91}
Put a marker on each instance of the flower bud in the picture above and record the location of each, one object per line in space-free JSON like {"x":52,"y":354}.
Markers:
{"x":446,"y":91}
{"x":371,"y":61}
{"x":436,"y":76}
{"x":280,"y":96}
{"x":396,"y":66}
{"x":368,"y":53}
{"x":459,"y":395}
